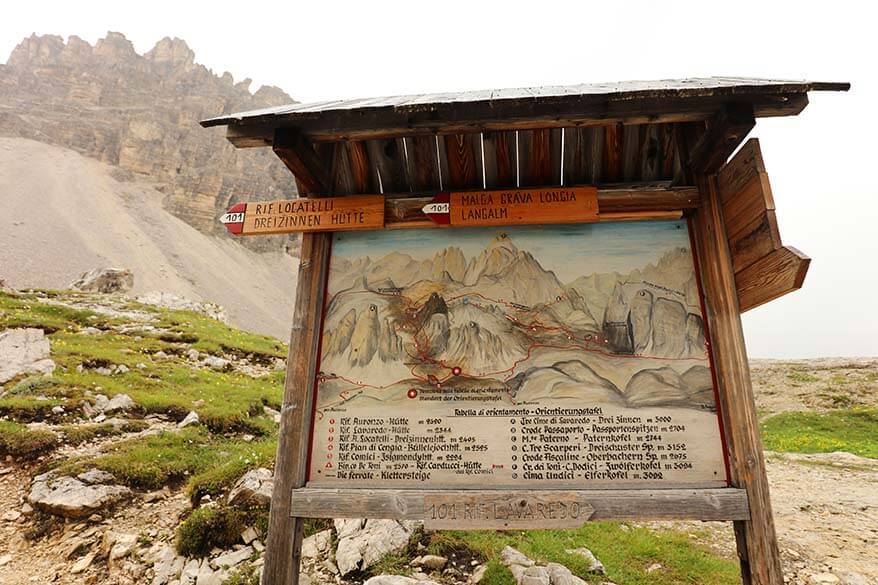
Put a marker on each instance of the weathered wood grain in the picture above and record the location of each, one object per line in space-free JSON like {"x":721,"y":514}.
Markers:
{"x":513,"y":510}
{"x":780,"y":272}
{"x":299,"y":155}
{"x":500,"y":156}
{"x":757,"y":541}
{"x":726,"y":130}
{"x":612,"y":153}
{"x":285,"y":532}
{"x":422,"y":167}
{"x":409,"y":504}
{"x":387,"y":158}
{"x":463,"y":153}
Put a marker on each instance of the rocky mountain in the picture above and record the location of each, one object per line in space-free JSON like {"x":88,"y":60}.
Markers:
{"x":140,"y":113}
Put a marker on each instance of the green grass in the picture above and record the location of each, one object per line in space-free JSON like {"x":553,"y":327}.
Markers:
{"x":206,"y":528}
{"x":19,"y":441}
{"x":211,"y":336}
{"x":799,"y":376}
{"x":852,"y":430}
{"x":625,"y":553}
{"x":207,"y":462}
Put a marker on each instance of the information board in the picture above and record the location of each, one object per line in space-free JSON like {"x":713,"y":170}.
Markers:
{"x":523,"y":357}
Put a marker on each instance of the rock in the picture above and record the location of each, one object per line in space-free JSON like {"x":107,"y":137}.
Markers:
{"x":250,"y":534}
{"x":99,"y":418}
{"x":362,"y":544}
{"x":216,"y":363}
{"x":396,"y":580}
{"x":82,"y":564}
{"x":232,"y":559}
{"x":190,"y":571}
{"x":478,"y":573}
{"x":121,"y":369}
{"x":824,"y":579}
{"x":594,"y":565}
{"x":166,"y":564}
{"x":193,"y":354}
{"x":316,"y":544}
{"x":653,"y":567}
{"x":275,"y":415}
{"x":90,"y":331}
{"x":118,"y":545}
{"x":95,"y":476}
{"x":257,"y":545}
{"x":72,"y":498}
{"x":533,"y":576}
{"x":254,"y":487}
{"x":105,"y":280}
{"x":5,"y":559}
{"x":177,"y":303}
{"x":561,"y":575}
{"x":11,"y":516}
{"x":58,"y":409}
{"x":510,"y":556}
{"x":27,"y":509}
{"x":119,"y":403}
{"x":431,"y":562}
{"x":24,"y":351}
{"x":191,"y":419}
{"x":103,"y":371}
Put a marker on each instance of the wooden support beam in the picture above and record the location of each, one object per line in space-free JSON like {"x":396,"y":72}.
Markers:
{"x":726,"y":130}
{"x":299,"y":155}
{"x":285,"y":533}
{"x":757,"y":541}
{"x":774,"y":275}
{"x":640,"y":504}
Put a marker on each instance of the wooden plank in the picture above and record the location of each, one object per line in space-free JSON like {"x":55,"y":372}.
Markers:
{"x":388,"y":162}
{"x":299,"y":155}
{"x":549,"y":205}
{"x":342,"y":179}
{"x":534,"y":158}
{"x":774,"y":275}
{"x":643,"y":504}
{"x":612,"y":153}
{"x":757,"y":541}
{"x":319,"y":214}
{"x":755,"y":240}
{"x":594,"y":154}
{"x":500,"y":169}
{"x":513,"y":510}
{"x":741,"y":171}
{"x":422,"y":166}
{"x":576,"y":148}
{"x":463,"y":154}
{"x":726,"y":130}
{"x":285,"y":531}
{"x":652,"y":153}
{"x":632,"y":147}
{"x":360,"y":168}
{"x":405,"y":212}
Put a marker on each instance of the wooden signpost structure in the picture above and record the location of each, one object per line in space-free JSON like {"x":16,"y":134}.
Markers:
{"x":513,"y":390}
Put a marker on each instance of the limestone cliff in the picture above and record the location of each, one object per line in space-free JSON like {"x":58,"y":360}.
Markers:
{"x":141,"y":113}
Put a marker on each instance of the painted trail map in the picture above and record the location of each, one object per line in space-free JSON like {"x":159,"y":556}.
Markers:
{"x":560,"y":356}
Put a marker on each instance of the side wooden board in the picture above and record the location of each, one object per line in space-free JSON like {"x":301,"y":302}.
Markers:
{"x":411,"y":504}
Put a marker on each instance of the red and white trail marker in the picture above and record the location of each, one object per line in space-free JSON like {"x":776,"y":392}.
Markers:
{"x":233,"y":219}
{"x":439,"y":209}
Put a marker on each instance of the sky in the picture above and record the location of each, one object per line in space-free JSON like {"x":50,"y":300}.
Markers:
{"x":570,"y":251}
{"x":820,"y":162}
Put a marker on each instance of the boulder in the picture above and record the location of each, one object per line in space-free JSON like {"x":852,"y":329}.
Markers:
{"x":561,"y":575}
{"x":95,"y":476}
{"x":105,"y":280}
{"x":166,"y":564}
{"x":72,"y":498}
{"x":527,"y":572}
{"x":363,"y":543}
{"x":24,"y":351}
{"x":254,"y":487}
{"x":216,"y":363}
{"x":317,"y":544}
{"x":119,"y":403}
{"x":594,"y":565}
{"x":431,"y":562}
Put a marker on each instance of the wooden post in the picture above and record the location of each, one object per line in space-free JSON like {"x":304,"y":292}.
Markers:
{"x":284,"y":543}
{"x":757,"y":542}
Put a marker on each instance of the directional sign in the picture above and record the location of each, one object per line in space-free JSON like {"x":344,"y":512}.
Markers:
{"x":514,"y":207}
{"x":326,"y":214}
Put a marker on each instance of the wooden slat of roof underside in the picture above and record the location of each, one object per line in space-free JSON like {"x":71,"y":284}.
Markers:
{"x":527,"y":108}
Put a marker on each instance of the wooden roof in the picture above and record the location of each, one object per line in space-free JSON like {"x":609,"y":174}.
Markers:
{"x":675,"y":100}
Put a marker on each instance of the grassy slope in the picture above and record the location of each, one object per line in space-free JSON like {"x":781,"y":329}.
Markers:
{"x":210,"y":457}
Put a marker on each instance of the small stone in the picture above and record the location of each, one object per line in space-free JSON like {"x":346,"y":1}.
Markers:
{"x":122,"y":369}
{"x":27,"y":509}
{"x":232,"y":559}
{"x":478,"y":573}
{"x":653,"y":568}
{"x":100,"y":418}
{"x":82,"y":564}
{"x":141,"y":366}
{"x":198,"y":403}
{"x":193,"y":354}
{"x":58,"y":409}
{"x":11,"y":516}
{"x":510,"y":556}
{"x":120,"y":402}
{"x":95,"y":518}
{"x":249,"y":535}
{"x":103,"y":371}
{"x":5,"y":559}
{"x":257,"y":544}
{"x":191,"y":419}
{"x":824,"y":579}
{"x":253,"y":488}
{"x":594,"y":565}
{"x":160,"y":354}
{"x":431,"y":562}
{"x":216,"y":363}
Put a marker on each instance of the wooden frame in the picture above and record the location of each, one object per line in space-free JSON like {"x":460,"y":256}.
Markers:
{"x":683,"y":130}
